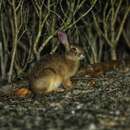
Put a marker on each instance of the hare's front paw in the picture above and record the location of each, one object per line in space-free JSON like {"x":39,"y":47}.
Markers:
{"x":67,"y":84}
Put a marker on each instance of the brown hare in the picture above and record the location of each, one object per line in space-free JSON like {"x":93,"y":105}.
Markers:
{"x":57,"y":69}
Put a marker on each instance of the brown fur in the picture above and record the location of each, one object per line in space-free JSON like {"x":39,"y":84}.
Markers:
{"x":53,"y":70}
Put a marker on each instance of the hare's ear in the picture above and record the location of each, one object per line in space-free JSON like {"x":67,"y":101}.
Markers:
{"x":63,"y":39}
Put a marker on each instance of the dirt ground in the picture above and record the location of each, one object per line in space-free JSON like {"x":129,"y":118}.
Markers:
{"x":101,"y":103}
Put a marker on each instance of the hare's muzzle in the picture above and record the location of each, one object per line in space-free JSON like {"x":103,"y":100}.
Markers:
{"x":81,"y":56}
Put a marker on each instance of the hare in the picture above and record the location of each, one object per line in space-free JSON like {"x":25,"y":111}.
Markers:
{"x":57,"y":69}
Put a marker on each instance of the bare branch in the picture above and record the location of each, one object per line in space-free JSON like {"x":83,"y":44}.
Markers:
{"x":82,"y":16}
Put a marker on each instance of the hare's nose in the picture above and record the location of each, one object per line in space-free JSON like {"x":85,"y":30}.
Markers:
{"x":82,"y":56}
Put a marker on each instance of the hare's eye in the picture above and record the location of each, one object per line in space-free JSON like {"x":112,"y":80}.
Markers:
{"x":74,"y":49}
